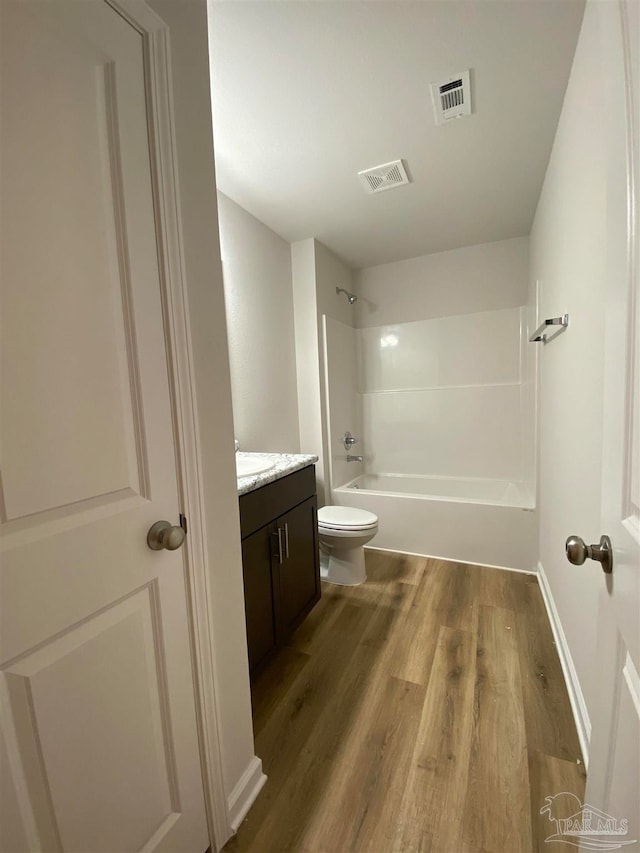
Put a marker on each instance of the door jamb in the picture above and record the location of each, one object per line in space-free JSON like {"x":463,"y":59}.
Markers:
{"x":166,"y":198}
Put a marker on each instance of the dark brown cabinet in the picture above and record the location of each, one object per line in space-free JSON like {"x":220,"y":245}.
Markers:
{"x":258,"y":590}
{"x":299,"y":581}
{"x":280,"y":561}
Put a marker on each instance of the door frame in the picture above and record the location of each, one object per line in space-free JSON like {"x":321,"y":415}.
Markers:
{"x":175,"y":309}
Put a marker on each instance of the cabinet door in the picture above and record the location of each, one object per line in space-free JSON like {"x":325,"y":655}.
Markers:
{"x":300,"y":568}
{"x":259,"y":594}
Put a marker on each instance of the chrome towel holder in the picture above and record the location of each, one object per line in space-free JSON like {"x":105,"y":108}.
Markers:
{"x":541,"y":334}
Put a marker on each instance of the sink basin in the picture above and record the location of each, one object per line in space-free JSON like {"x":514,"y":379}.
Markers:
{"x":249,"y":467}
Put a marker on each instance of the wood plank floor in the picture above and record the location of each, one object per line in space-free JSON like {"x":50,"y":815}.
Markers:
{"x":422,"y":711}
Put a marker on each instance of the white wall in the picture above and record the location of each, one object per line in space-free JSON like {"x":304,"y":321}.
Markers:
{"x":190,"y":61}
{"x":463,"y":281}
{"x":567,"y":257}
{"x":256,"y":263}
{"x":332,"y":272}
{"x":316,"y":274}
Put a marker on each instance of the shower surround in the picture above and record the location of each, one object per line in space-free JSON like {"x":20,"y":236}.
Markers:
{"x":444,"y":410}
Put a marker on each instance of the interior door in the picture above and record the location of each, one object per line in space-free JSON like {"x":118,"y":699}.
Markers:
{"x":99,"y":746}
{"x":613,"y":776}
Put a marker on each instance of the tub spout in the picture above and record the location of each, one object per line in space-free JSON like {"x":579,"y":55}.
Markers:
{"x":354,"y":458}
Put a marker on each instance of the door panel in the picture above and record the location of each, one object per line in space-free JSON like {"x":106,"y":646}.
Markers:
{"x":624,"y":794}
{"x":106,"y":744}
{"x":65,"y":244}
{"x":99,"y":736}
{"x":613,"y":783}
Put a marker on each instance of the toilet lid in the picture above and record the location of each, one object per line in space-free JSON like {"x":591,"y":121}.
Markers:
{"x":345,"y":517}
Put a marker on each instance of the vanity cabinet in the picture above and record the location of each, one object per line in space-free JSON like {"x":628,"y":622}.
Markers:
{"x":258,"y":581}
{"x":280,"y":561}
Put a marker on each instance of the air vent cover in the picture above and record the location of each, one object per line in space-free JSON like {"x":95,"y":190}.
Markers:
{"x":384,"y":177}
{"x":451,"y":97}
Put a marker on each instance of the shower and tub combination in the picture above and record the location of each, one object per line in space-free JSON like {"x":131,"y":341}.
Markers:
{"x":443,"y":415}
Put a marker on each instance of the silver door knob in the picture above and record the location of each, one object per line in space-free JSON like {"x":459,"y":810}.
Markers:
{"x":577,"y":552}
{"x":162,"y":534}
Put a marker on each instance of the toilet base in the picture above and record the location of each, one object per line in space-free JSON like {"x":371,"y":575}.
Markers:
{"x":343,"y":566}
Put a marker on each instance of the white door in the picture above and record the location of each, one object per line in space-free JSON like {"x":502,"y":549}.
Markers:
{"x":99,"y":746}
{"x":614,"y":768}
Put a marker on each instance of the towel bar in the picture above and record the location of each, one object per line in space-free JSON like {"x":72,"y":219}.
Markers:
{"x":540,"y":333}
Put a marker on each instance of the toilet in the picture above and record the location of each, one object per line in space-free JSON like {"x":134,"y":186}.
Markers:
{"x":342,"y":531}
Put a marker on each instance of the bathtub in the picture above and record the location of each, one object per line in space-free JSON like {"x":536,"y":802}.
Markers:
{"x":488,"y":522}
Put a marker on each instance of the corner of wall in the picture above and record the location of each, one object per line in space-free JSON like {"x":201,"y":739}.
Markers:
{"x":574,"y":689}
{"x":245,"y":792}
{"x":567,"y":274}
{"x":307,"y":348}
{"x":207,"y":326}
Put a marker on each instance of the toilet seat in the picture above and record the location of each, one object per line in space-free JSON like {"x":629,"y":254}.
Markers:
{"x":346,"y":518}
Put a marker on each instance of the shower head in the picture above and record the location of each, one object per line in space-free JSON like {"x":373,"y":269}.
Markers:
{"x":351,"y":297}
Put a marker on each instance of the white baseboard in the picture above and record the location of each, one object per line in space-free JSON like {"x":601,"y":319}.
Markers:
{"x":576,"y":697}
{"x":449,"y":560}
{"x":245,"y":792}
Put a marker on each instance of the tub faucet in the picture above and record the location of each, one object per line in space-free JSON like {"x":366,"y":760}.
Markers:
{"x":354,"y":458}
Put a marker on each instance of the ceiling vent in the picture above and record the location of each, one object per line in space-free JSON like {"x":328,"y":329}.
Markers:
{"x":451,"y":97}
{"x":384,"y":177}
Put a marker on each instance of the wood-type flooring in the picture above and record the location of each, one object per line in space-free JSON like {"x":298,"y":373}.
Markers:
{"x":424,"y":710}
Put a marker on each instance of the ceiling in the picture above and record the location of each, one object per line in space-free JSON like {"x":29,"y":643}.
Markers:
{"x":307,"y":94}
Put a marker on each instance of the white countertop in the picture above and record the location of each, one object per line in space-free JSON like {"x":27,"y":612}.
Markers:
{"x":284,"y":463}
